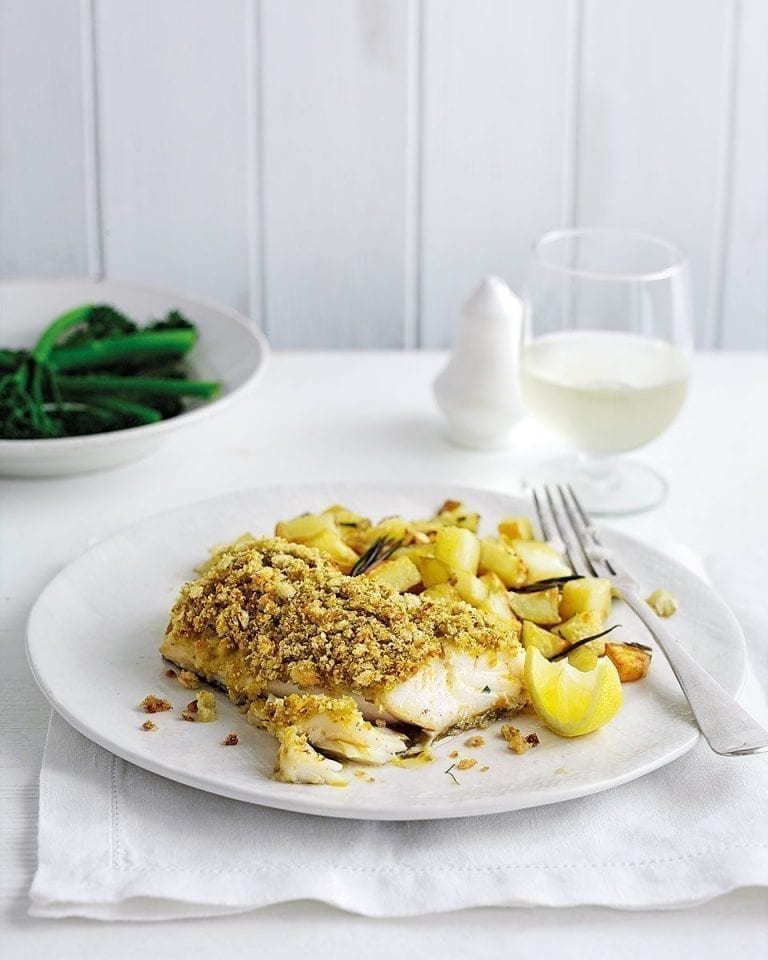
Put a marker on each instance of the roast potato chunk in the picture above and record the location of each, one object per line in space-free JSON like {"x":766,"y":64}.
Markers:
{"x":589,"y":593}
{"x":541,"y":560}
{"x":540,"y":607}
{"x":549,"y":643}
{"x":582,"y":625}
{"x":306,"y":527}
{"x":496,"y":556}
{"x":516,"y":528}
{"x":632,"y":660}
{"x":401,"y":574}
{"x":458,"y":549}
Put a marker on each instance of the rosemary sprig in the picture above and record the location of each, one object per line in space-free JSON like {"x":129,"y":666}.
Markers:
{"x":544,"y":584}
{"x":580,"y":643}
{"x":379,"y":551}
{"x":448,"y":771}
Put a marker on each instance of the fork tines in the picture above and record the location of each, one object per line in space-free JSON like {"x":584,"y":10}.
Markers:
{"x":562,"y":517}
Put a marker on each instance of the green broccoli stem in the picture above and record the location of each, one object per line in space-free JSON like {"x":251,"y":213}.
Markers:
{"x":133,"y":346}
{"x":109,"y":418}
{"x":52,"y":333}
{"x":9,"y":360}
{"x":125,"y":407}
{"x":97,"y":383}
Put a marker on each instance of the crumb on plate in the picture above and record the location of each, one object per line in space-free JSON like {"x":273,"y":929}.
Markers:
{"x":474,"y":742}
{"x":153,"y":704}
{"x":466,"y":764}
{"x":206,"y":707}
{"x":662,"y":602}
{"x":231,"y":740}
{"x":148,"y":725}
{"x":516,"y":741}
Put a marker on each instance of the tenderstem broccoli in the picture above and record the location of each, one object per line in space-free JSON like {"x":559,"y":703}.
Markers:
{"x":94,"y":370}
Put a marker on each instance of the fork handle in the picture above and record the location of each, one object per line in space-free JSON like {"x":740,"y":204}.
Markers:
{"x":728,"y":729}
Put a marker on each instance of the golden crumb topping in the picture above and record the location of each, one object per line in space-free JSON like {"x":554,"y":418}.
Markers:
{"x":297,"y":709}
{"x":187,"y":679}
{"x":297,"y":619}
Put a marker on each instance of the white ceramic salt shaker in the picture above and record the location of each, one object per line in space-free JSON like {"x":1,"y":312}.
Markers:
{"x":479,"y":390}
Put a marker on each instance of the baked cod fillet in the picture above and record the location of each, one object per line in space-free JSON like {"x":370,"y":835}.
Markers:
{"x":362,"y":672}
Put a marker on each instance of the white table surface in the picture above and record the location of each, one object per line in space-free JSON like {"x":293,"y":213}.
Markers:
{"x":362,"y":416}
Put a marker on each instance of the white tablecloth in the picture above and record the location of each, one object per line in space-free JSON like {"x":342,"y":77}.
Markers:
{"x":363,"y":416}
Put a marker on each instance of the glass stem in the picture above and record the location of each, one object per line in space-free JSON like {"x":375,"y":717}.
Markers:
{"x":600,"y":470}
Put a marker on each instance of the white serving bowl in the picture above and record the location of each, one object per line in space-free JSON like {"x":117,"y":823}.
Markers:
{"x":230,"y":350}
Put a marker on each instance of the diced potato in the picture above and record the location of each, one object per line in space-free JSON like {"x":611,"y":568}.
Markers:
{"x":541,"y":560}
{"x":549,"y":643}
{"x":498,"y":597}
{"x":589,"y":593}
{"x":540,"y":607}
{"x":352,"y":527}
{"x":498,"y":557}
{"x":632,"y":661}
{"x":344,"y":516}
{"x":442,"y":591}
{"x":583,"y":658}
{"x":305,"y":528}
{"x":471,"y":588}
{"x":332,"y":544}
{"x":498,"y":605}
{"x":458,"y":549}
{"x":453,"y":512}
{"x":433,"y":571}
{"x":516,"y":528}
{"x":415,"y":551}
{"x":582,"y":625}
{"x":393,"y":528}
{"x":494,"y":582}
{"x":425,"y":530}
{"x":400,"y":573}
{"x":662,"y":602}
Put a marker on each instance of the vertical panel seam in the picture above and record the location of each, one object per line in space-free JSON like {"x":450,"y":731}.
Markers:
{"x":572,"y":115}
{"x":414,"y":175}
{"x":92,"y":174}
{"x":724,"y":186}
{"x":257,"y":302}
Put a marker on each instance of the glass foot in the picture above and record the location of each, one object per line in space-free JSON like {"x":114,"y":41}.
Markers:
{"x":605,"y":488}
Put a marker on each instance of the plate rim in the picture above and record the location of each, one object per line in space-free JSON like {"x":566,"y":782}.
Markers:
{"x":482,"y":807}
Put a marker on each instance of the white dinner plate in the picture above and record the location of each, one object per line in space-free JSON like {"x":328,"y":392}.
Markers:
{"x":94,"y":633}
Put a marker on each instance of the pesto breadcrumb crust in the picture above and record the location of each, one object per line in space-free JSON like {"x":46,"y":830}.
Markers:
{"x":295,"y":618}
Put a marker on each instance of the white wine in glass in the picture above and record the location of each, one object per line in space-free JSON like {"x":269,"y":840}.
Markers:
{"x":606,"y":357}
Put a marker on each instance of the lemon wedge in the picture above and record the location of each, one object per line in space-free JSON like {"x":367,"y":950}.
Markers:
{"x":569,"y":701}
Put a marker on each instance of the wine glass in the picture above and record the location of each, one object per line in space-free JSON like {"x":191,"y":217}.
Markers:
{"x":606,"y":357}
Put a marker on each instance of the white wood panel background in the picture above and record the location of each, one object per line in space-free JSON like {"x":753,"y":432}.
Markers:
{"x":346,"y":171}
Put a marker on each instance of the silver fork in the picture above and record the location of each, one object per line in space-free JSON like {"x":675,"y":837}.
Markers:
{"x":728,"y":729}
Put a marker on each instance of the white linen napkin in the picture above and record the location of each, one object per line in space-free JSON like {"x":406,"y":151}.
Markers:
{"x":118,"y":843}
